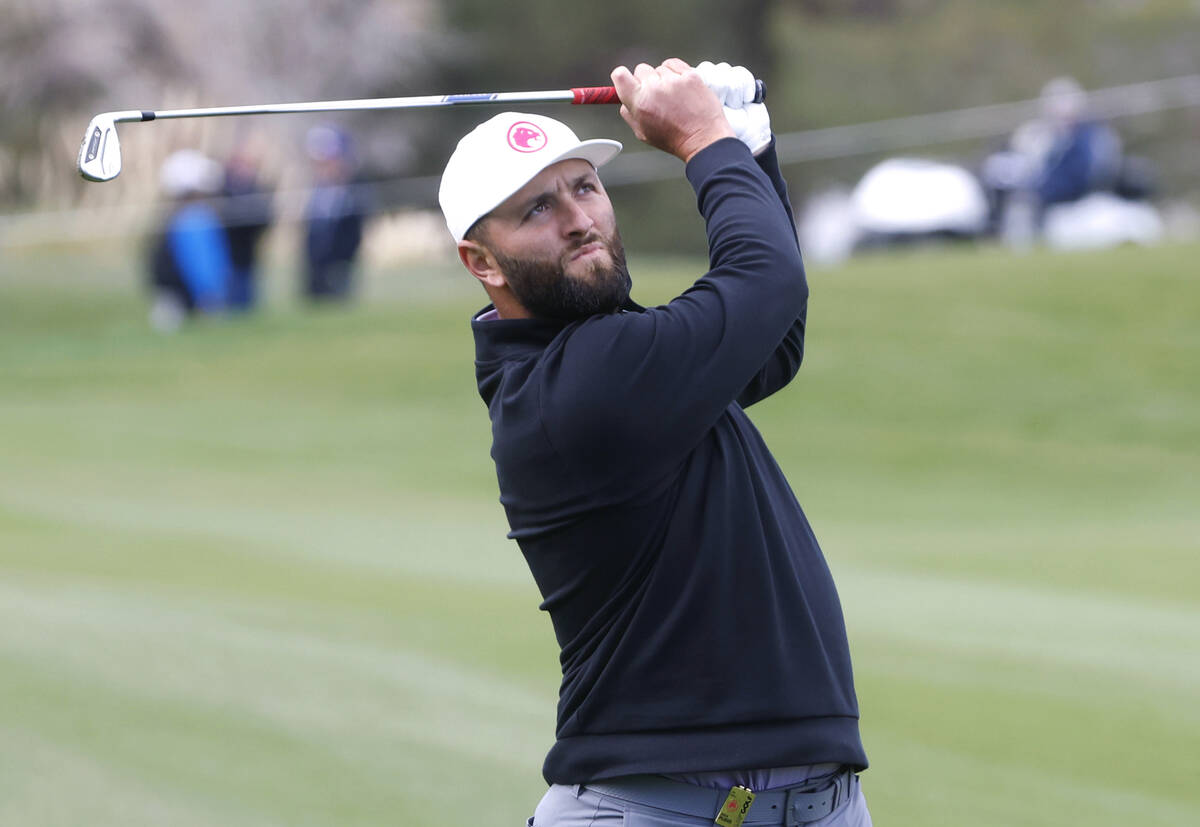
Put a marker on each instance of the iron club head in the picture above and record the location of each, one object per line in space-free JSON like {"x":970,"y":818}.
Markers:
{"x":100,"y":150}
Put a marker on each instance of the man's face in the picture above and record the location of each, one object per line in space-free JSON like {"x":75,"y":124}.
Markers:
{"x":556,"y":241}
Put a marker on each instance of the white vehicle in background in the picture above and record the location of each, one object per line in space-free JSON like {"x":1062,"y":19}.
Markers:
{"x":898,"y":201}
{"x":908,"y":200}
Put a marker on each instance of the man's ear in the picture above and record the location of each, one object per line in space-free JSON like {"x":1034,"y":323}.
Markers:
{"x":481,"y":263}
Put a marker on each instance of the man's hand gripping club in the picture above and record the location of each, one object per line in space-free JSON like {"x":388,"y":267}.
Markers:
{"x":670,"y":107}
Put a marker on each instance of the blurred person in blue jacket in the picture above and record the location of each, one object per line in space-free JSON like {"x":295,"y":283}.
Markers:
{"x":190,"y":264}
{"x":1058,"y":157}
{"x":333,"y":218}
{"x":1083,"y":154}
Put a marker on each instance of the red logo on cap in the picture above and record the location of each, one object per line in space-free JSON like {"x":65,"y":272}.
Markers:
{"x":525,"y":137}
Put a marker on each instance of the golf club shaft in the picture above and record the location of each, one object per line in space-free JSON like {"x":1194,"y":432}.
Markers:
{"x":577,"y":95}
{"x":100,"y":150}
{"x":582,"y":95}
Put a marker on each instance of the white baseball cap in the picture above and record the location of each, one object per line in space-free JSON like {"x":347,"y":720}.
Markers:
{"x":503,"y":154}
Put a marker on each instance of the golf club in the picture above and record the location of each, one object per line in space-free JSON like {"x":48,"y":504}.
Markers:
{"x":100,"y":150}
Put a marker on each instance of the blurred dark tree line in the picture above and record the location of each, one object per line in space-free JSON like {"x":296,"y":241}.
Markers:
{"x":542,"y":42}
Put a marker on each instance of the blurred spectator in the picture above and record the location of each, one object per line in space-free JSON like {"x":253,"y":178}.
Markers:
{"x":1059,"y":157}
{"x":190,"y":264}
{"x":334,"y":216}
{"x":1084,"y":155}
{"x":246,"y":213}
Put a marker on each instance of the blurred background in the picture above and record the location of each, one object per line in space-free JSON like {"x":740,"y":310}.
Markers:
{"x":252,"y":566}
{"x":852,"y":84}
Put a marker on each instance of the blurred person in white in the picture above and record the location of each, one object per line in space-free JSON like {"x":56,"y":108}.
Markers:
{"x":189,"y":259}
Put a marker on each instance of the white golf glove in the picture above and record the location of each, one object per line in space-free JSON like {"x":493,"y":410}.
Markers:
{"x":735,"y":88}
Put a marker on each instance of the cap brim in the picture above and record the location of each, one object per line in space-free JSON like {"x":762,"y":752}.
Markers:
{"x":597,"y":151}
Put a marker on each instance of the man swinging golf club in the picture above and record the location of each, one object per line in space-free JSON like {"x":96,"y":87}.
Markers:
{"x":706,"y":670}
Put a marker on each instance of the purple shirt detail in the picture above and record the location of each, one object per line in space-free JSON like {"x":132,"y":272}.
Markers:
{"x":758,"y":780}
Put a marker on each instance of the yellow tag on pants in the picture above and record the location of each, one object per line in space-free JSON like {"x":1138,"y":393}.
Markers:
{"x":733,"y":811}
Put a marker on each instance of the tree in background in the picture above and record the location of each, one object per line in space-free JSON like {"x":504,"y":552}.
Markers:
{"x":62,"y":62}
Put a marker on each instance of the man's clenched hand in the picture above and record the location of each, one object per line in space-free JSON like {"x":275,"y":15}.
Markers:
{"x":670,"y":107}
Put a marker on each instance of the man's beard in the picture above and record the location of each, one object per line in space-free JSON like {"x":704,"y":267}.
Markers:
{"x":545,"y":290}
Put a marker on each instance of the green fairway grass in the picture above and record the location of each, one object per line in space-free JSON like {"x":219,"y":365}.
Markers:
{"x":255,"y":573}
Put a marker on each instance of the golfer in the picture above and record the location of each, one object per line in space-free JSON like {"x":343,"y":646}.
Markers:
{"x":706,"y":670}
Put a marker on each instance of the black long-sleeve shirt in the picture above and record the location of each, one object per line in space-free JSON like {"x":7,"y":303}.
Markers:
{"x":698,"y":622}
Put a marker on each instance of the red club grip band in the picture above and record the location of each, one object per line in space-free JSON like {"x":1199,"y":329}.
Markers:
{"x":595,"y":94}
{"x":607,"y":94}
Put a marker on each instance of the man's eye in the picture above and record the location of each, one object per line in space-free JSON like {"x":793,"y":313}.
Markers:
{"x":587,"y":187}
{"x":538,"y":208}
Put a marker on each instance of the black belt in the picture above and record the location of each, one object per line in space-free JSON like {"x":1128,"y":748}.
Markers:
{"x":789,"y":806}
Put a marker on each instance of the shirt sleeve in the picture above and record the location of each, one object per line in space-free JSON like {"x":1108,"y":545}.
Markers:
{"x":650,"y":385}
{"x":782,"y":365}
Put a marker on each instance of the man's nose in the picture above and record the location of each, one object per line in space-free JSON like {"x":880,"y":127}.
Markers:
{"x":576,"y":221}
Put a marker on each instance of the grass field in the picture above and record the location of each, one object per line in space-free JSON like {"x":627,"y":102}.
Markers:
{"x":255,"y":574}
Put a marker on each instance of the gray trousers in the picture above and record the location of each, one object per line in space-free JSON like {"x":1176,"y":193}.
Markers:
{"x":580,"y":806}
